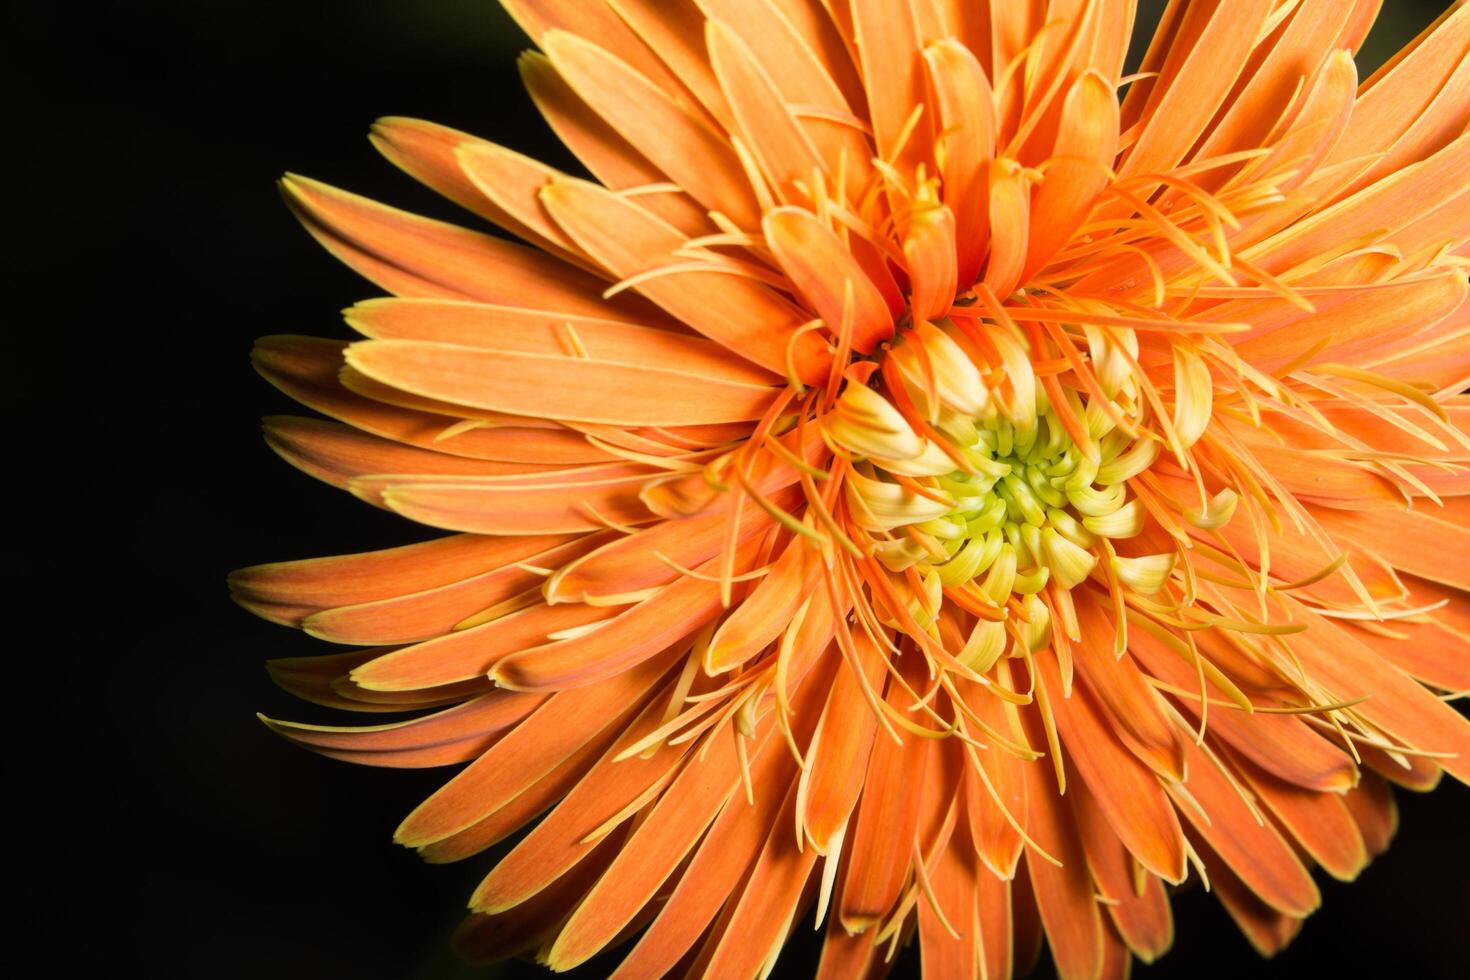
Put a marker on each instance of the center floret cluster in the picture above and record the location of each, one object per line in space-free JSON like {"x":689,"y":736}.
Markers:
{"x":981,"y":492}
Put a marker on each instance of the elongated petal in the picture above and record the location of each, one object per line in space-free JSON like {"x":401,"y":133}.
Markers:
{"x":554,"y":731}
{"x":1064,"y":892}
{"x":654,"y":556}
{"x":321,"y":583}
{"x":728,"y":849}
{"x":879,"y":861}
{"x":1320,"y":822}
{"x":413,"y":256}
{"x":576,"y":388}
{"x":966,"y":118}
{"x":828,"y":277}
{"x":766,"y":612}
{"x":1086,"y":144}
{"x":654,"y":850}
{"x":1141,"y":916}
{"x":631,"y":638}
{"x":1254,"y":851}
{"x":417,"y":616}
{"x":744,"y":316}
{"x":311,"y":371}
{"x":676,"y":141}
{"x":1126,"y":792}
{"x":580,"y":822}
{"x":456,"y":734}
{"x":839,"y":756}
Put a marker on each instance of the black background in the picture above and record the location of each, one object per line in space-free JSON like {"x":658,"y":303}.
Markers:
{"x":164,"y":831}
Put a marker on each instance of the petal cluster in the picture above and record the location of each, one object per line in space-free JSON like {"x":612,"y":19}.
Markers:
{"x":917,"y":480}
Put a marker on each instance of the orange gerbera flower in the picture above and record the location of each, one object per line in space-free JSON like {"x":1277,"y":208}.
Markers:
{"x":908,"y":487}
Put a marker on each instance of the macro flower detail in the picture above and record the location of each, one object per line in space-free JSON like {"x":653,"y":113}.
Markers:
{"x":920,"y":481}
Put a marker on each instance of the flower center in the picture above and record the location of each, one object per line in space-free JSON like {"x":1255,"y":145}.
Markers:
{"x":1030,"y":509}
{"x":978,"y":486}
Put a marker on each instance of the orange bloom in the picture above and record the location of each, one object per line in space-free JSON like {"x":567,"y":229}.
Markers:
{"x":909,"y":486}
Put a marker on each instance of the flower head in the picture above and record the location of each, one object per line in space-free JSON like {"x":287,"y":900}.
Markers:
{"x":908,"y":485}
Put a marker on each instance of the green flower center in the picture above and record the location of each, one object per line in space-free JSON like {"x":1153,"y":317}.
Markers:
{"x":1030,"y":508}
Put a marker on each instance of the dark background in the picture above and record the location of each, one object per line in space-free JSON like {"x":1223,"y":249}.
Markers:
{"x":165,"y":831}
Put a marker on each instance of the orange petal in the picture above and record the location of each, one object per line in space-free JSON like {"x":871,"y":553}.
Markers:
{"x":554,"y":731}
{"x":839,"y":754}
{"x":566,"y":835}
{"x":1357,"y":325}
{"x":888,"y":49}
{"x":1203,"y":61}
{"x":1254,"y":851}
{"x":1064,"y":894}
{"x":338,"y":454}
{"x":630,"y":638}
{"x":1010,"y":223}
{"x":676,"y":33}
{"x":1268,"y":85}
{"x":886,"y":817}
{"x":457,"y":734}
{"x":1400,"y":92}
{"x":929,"y":252}
{"x":789,"y":39}
{"x":344,"y":580}
{"x":1378,"y":210}
{"x":417,"y":616}
{"x":654,"y":849}
{"x":825,"y":274}
{"x":1426,"y":651}
{"x":469,"y":653}
{"x":1373,"y":808}
{"x":995,"y":926}
{"x":537,"y":332}
{"x":1415,"y":541}
{"x":1087,"y":142}
{"x":1026,"y":925}
{"x":531,"y":802}
{"x":483,"y":939}
{"x":1320,"y":822}
{"x":1454,"y":614}
{"x":764,"y":912}
{"x":610,"y":158}
{"x":514,"y":508}
{"x":966,"y":120}
{"x":599,"y":24}
{"x":431,"y":154}
{"x":309,"y":370}
{"x":956,"y":886}
{"x":642,"y":560}
{"x":1012,"y":27}
{"x":1268,"y":930}
{"x":997,"y":841}
{"x":425,"y":151}
{"x":671,"y":137}
{"x":512,"y":183}
{"x":323,"y":681}
{"x":546,"y":386}
{"x":1132,"y":705}
{"x":1142,"y":917}
{"x":733,"y":842}
{"x":763,"y":120}
{"x":1281,"y":744}
{"x":1409,"y":772}
{"x":413,"y":256}
{"x":766,"y":612}
{"x":1396,"y":702}
{"x":1127,"y":793}
{"x":744,"y":316}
